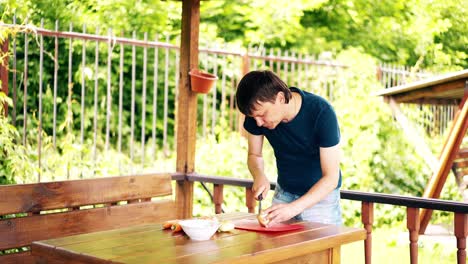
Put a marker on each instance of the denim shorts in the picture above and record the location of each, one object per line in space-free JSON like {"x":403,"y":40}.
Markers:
{"x":327,"y":211}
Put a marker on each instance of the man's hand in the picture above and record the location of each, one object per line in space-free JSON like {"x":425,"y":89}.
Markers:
{"x":282,"y":212}
{"x":261,"y":185}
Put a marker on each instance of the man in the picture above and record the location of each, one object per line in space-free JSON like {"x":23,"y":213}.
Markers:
{"x":303,"y":130}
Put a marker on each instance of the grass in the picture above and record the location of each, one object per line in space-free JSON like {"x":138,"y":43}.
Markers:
{"x":392,"y":246}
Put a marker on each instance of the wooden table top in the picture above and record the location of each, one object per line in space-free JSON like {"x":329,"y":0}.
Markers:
{"x":150,"y":243}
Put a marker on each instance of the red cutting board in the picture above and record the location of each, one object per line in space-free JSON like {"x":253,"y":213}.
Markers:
{"x":253,"y":225}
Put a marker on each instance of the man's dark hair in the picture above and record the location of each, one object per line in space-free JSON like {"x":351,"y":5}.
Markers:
{"x":259,"y":86}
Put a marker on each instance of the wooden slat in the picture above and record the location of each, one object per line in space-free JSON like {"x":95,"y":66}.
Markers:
{"x":63,"y":194}
{"x":51,"y":254}
{"x":461,"y":164}
{"x":462,"y":153}
{"x":18,"y":232}
{"x":23,"y":257}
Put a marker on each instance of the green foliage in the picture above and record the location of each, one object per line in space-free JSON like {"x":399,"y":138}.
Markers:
{"x":14,"y":164}
{"x":423,"y":34}
{"x":377,"y":156}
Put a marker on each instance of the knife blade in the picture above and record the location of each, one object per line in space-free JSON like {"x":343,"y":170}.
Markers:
{"x":260,"y":198}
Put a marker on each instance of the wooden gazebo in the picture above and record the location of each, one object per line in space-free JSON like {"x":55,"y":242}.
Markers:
{"x":449,"y":89}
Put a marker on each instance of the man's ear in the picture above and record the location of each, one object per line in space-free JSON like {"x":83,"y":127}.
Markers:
{"x":280,"y":97}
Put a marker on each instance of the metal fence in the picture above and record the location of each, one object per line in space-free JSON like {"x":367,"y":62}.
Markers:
{"x":112,"y":100}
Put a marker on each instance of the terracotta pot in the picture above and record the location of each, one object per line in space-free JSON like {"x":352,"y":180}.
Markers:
{"x":201,"y":82}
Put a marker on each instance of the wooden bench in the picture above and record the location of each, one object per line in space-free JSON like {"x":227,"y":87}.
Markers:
{"x":39,"y":211}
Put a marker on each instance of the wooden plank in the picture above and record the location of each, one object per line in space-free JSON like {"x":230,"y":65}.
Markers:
{"x":450,"y":90}
{"x":461,"y":164}
{"x":324,"y":256}
{"x":462,"y":153}
{"x":49,"y":254}
{"x":18,"y":232}
{"x":94,"y":236}
{"x":187,"y":112}
{"x":23,"y":257}
{"x":37,"y":197}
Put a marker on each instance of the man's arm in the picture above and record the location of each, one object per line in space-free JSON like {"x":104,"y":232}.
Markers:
{"x":330,"y":164}
{"x":256,"y":165}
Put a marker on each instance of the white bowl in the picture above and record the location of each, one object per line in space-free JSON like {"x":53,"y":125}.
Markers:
{"x":199,"y":229}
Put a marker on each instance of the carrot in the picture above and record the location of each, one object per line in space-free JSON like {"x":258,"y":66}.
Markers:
{"x":168,"y":224}
{"x":176,"y":227}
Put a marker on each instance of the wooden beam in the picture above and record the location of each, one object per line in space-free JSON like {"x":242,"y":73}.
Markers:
{"x":449,"y":152}
{"x":187,"y":101}
{"x":430,"y":92}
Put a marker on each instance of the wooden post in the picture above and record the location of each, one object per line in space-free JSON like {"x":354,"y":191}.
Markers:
{"x":412,"y":223}
{"x":218,"y":198}
{"x":461,"y":231}
{"x":245,"y":70}
{"x":452,"y":144}
{"x":367,"y":218}
{"x":378,"y":73}
{"x":249,"y":200}
{"x":187,"y":112}
{"x":4,"y":72}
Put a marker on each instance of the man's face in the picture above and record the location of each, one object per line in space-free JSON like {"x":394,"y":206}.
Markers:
{"x":268,"y":114}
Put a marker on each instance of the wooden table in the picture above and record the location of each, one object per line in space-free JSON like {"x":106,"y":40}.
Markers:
{"x":316,"y":243}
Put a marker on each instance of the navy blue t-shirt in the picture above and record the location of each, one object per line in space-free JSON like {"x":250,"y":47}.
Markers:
{"x":297,"y":143}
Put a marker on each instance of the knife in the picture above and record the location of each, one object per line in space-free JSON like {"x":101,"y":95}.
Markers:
{"x":260,"y":198}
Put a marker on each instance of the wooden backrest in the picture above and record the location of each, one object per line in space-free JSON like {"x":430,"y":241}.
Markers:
{"x":47,"y":210}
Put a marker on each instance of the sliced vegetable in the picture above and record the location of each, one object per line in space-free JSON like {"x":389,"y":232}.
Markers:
{"x":226,"y":226}
{"x":168,"y":224}
{"x":176,"y":227}
{"x":263,"y":219}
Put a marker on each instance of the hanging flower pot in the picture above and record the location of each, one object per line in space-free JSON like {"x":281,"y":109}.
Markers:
{"x":202,"y":82}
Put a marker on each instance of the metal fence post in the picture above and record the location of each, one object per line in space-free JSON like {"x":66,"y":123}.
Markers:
{"x":4,"y":72}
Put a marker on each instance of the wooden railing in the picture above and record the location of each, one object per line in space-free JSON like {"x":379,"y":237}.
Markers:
{"x":412,"y":204}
